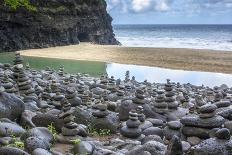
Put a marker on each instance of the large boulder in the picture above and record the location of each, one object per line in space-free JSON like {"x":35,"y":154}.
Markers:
{"x":8,"y":129}
{"x":10,"y":106}
{"x":33,"y":143}
{"x":44,"y":120}
{"x":39,"y":132}
{"x":12,"y":151}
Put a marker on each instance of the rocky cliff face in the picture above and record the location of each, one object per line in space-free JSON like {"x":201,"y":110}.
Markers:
{"x":55,"y":23}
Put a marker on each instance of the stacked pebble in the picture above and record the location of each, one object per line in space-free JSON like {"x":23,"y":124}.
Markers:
{"x":202,"y":124}
{"x":24,"y":83}
{"x":69,"y":128}
{"x":139,"y":97}
{"x":160,"y":106}
{"x":8,"y":85}
{"x":131,"y":129}
{"x":170,"y":96}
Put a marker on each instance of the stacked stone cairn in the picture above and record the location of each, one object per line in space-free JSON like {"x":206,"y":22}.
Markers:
{"x":139,"y":97}
{"x":131,"y":128}
{"x":24,"y":83}
{"x":170,"y":96}
{"x":160,"y":106}
{"x":17,"y":62}
{"x":201,"y":125}
{"x":111,"y":85}
{"x":71,"y":96}
{"x":8,"y":85}
{"x":70,"y":128}
{"x":100,"y":110}
{"x":172,"y":128}
{"x":127,"y":76}
{"x":61,"y":71}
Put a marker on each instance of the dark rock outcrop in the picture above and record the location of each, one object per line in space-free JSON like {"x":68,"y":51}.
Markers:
{"x":55,"y":23}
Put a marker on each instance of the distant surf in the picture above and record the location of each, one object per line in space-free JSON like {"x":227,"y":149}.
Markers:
{"x":214,"y":37}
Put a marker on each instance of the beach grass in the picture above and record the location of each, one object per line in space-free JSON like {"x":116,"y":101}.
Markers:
{"x":71,"y":66}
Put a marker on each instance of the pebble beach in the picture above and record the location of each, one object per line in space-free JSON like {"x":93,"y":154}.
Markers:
{"x":42,"y":111}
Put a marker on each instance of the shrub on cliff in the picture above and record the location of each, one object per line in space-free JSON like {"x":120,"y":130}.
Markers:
{"x":14,"y":4}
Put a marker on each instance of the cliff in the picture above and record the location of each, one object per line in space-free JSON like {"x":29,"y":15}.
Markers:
{"x":55,"y":23}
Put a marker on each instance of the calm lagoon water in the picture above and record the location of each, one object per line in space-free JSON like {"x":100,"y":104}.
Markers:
{"x":141,"y":73}
{"x":156,"y":74}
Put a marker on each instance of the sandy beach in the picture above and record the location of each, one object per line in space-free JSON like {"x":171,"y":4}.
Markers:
{"x":185,"y":59}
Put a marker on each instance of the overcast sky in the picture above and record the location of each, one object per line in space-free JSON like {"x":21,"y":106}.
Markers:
{"x":170,"y":11}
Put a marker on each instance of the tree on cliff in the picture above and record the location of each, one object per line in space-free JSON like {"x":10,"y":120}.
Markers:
{"x":14,"y":4}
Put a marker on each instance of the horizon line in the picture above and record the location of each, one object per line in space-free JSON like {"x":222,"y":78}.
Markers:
{"x":172,"y":24}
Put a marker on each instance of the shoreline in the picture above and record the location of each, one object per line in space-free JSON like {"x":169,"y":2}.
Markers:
{"x":170,"y":58}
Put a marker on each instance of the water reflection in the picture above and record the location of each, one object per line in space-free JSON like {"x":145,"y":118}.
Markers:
{"x":156,"y":74}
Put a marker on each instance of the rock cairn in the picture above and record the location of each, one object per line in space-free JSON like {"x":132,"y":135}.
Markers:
{"x":8,"y":85}
{"x":160,"y":106}
{"x":61,"y":71}
{"x":69,"y":128}
{"x":127,"y":76}
{"x":200,"y":125}
{"x":131,"y":128}
{"x":172,"y":128}
{"x":170,"y":96}
{"x":100,"y":110}
{"x":139,"y":97}
{"x":24,"y":83}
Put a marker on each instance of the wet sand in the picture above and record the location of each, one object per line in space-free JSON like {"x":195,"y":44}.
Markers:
{"x":173,"y":58}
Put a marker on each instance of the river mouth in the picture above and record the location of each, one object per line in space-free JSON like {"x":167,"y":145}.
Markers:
{"x":141,"y":73}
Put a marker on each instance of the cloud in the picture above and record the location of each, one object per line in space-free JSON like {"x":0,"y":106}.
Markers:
{"x":138,"y":6}
{"x":183,"y":6}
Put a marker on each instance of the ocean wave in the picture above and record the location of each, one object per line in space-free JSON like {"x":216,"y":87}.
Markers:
{"x":171,"y":42}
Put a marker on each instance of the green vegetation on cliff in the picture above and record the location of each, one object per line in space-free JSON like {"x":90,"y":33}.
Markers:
{"x":14,"y":4}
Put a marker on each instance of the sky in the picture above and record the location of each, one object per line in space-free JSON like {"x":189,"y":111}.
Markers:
{"x":170,"y":11}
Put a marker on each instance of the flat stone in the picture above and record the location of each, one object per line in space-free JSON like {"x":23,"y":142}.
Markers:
{"x":175,"y":125}
{"x":33,"y":143}
{"x":12,"y":151}
{"x":130,"y":132}
{"x":196,"y":121}
{"x":8,"y":129}
{"x":154,"y":131}
{"x":193,"y":140}
{"x":208,"y":108}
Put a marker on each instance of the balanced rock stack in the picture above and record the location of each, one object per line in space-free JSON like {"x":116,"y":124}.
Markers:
{"x":104,"y":80}
{"x":18,"y":59}
{"x":17,"y":63}
{"x":131,"y":128}
{"x":80,"y":90}
{"x":160,"y":106}
{"x":154,"y":92}
{"x":61,"y":71}
{"x":24,"y":83}
{"x":9,"y":86}
{"x":140,"y":113}
{"x":57,"y":100}
{"x":100,"y":110}
{"x":200,"y":125}
{"x":172,"y":128}
{"x":139,"y":97}
{"x":85,"y":98}
{"x":127,"y":76}
{"x":71,"y":95}
{"x":111,"y":85}
{"x":55,"y":86}
{"x":70,"y":128}
{"x":170,"y":96}
{"x":46,"y":94}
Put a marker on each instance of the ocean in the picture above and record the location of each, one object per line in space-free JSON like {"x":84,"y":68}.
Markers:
{"x":215,"y":37}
